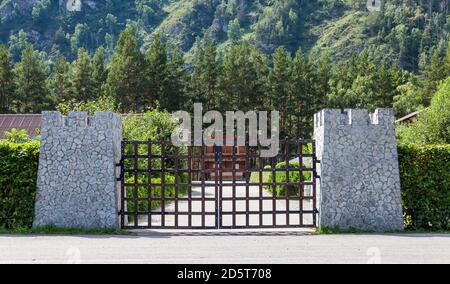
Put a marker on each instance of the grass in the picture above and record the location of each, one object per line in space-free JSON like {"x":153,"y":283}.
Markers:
{"x":338,"y":230}
{"x":52,"y":230}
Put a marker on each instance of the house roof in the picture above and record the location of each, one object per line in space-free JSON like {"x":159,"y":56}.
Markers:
{"x":409,"y":117}
{"x":29,"y":122}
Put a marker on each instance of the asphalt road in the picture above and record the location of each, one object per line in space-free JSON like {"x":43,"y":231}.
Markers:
{"x":246,"y":247}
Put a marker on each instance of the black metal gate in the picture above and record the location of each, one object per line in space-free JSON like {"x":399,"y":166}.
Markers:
{"x":167,"y":187}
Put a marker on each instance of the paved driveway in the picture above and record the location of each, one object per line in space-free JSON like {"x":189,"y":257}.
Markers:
{"x":206,"y":247}
{"x":240,"y":206}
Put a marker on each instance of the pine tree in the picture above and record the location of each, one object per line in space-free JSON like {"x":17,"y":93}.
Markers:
{"x":30,"y":82}
{"x":157,"y":73}
{"x":303,"y":93}
{"x":99,"y":71}
{"x":177,"y":78}
{"x":447,"y":62}
{"x":82,"y":83}
{"x":435,"y":72}
{"x":243,"y":81}
{"x":59,"y":82}
{"x":322,"y":82}
{"x":280,"y":87}
{"x":6,"y":80}
{"x":387,"y":80}
{"x":205,"y":76}
{"x":125,"y":80}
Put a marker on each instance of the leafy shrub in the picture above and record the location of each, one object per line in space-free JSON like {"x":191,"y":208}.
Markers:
{"x":17,"y":136}
{"x":425,"y":182}
{"x":103,"y":103}
{"x":153,"y":125}
{"x":281,"y":178}
{"x":433,"y":124}
{"x":18,"y":176}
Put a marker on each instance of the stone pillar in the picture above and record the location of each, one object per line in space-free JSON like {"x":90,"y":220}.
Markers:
{"x":360,"y":179}
{"x":77,"y":186}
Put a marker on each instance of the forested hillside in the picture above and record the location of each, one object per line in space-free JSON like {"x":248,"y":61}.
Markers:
{"x":296,"y":56}
{"x":403,"y":31}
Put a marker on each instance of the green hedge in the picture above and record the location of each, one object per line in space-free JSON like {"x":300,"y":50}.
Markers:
{"x":18,"y":176}
{"x":425,"y":179}
{"x":294,"y":176}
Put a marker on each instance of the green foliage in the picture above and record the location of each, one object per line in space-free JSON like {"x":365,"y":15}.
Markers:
{"x":6,"y":80}
{"x":433,"y":124}
{"x":30,"y":76}
{"x":205,"y":76}
{"x":280,"y":92}
{"x":243,"y":80}
{"x":157,"y":74}
{"x":17,"y":136}
{"x":425,"y":181}
{"x":292,"y":176}
{"x":281,"y":178}
{"x":19,"y":164}
{"x":153,"y":125}
{"x":59,"y":83}
{"x":409,"y":99}
{"x":103,"y":103}
{"x":346,"y":57}
{"x":337,"y":230}
{"x":362,"y":83}
{"x":177,"y":78}
{"x":126,"y":73}
{"x":234,"y":31}
{"x":99,"y":72}
{"x":170,"y":190}
{"x":81,"y":79}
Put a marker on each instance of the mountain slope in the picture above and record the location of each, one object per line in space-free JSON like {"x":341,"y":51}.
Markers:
{"x":405,"y":32}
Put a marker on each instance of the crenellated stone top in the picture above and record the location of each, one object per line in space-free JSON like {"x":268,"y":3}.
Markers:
{"x":101,"y":120}
{"x":355,"y":117}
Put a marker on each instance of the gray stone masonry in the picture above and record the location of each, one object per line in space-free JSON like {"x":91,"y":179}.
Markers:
{"x":77,"y":185}
{"x":360,"y":180}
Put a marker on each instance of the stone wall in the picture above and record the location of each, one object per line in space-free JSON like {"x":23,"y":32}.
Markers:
{"x":360,"y":180}
{"x":77,"y":185}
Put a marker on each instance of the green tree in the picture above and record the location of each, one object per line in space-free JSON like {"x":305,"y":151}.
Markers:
{"x":82,"y":83}
{"x":205,"y":77}
{"x":59,"y":81}
{"x":322,"y":82}
{"x":30,"y":82}
{"x":6,"y":80}
{"x":17,"y":44}
{"x":99,"y":71}
{"x":433,"y":124}
{"x":234,"y":31}
{"x":158,"y":74}
{"x":387,"y":80}
{"x":280,"y":88}
{"x":303,"y":101}
{"x":177,"y":78}
{"x":126,"y":73}
{"x":408,"y":100}
{"x":243,"y":82}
